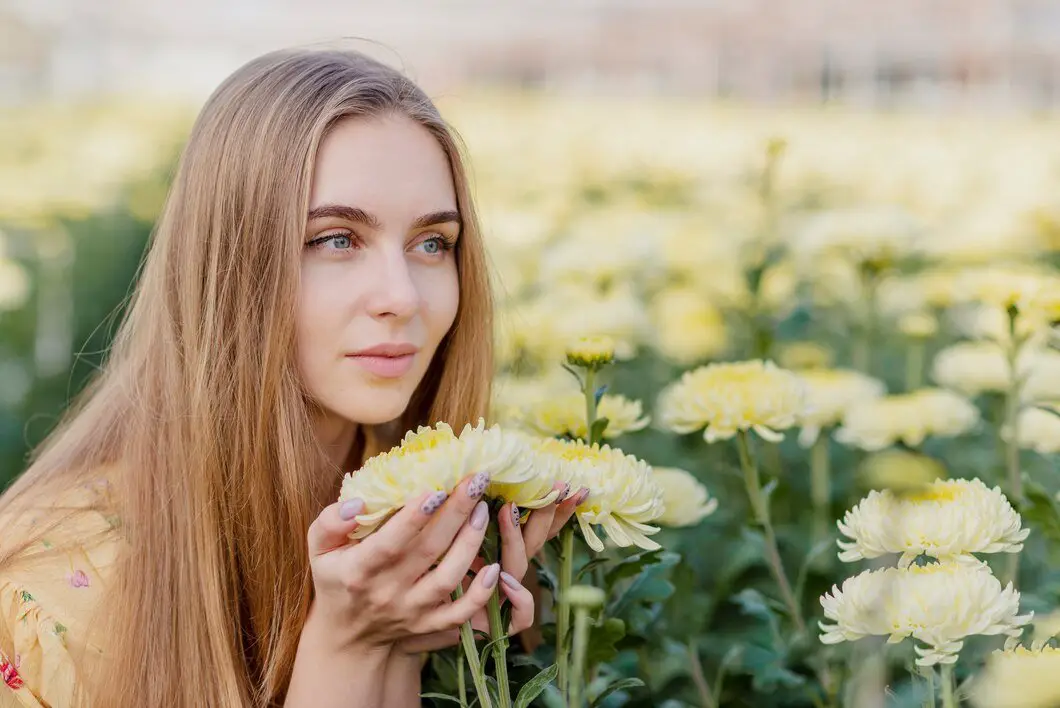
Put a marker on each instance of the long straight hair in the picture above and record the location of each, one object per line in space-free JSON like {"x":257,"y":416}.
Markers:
{"x":199,"y":412}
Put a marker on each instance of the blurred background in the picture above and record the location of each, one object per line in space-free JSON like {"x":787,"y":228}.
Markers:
{"x":651,"y":128}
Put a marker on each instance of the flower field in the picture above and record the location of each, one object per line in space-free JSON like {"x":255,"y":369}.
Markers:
{"x":833,"y":342}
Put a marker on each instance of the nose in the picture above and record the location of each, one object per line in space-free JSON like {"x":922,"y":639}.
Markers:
{"x":393,"y":293}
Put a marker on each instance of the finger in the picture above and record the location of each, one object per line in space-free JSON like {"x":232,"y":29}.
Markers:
{"x":436,"y":641}
{"x":535,"y":531}
{"x":387,"y":546}
{"x":565,"y":510}
{"x":438,"y":584}
{"x":513,"y":550}
{"x":455,"y":613}
{"x":451,"y":519}
{"x":522,"y":604}
{"x":332,"y":528}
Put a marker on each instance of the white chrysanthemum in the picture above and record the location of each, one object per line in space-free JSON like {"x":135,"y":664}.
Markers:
{"x":873,"y":236}
{"x":949,"y":520}
{"x":939,"y":605}
{"x":434,"y":459}
{"x":830,"y":393}
{"x":972,"y":368}
{"x":688,"y":327}
{"x":1019,"y":678}
{"x":623,"y":499}
{"x":1038,"y":429}
{"x":909,"y":418}
{"x":728,"y":398}
{"x":686,"y":501}
{"x":565,"y":415}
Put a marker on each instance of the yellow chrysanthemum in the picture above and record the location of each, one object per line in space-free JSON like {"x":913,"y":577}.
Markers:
{"x":434,"y":459}
{"x":731,"y":397}
{"x":900,"y":471}
{"x":976,"y":367}
{"x":623,"y":499}
{"x":949,"y":519}
{"x":1019,"y":678}
{"x":591,"y":352}
{"x":686,"y":501}
{"x":830,"y":393}
{"x":805,"y":355}
{"x":688,"y":327}
{"x":873,"y":237}
{"x":1038,"y":429}
{"x":939,"y":605}
{"x":918,"y":325}
{"x":565,"y":415}
{"x":909,"y":418}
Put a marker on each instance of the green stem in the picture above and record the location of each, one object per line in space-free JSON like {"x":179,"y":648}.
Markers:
{"x":929,"y":676}
{"x":760,"y":506}
{"x":949,"y":699}
{"x":461,"y":680}
{"x":820,"y":485}
{"x":590,"y":405}
{"x":566,"y":574}
{"x":1012,"y":445}
{"x":467,"y":641}
{"x":581,"y":641}
{"x":500,"y":648}
{"x":914,"y":365}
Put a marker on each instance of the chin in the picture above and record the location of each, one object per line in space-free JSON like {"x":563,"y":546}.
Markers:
{"x":375,"y":408}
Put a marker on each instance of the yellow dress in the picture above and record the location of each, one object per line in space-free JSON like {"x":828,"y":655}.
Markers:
{"x":47,"y":604}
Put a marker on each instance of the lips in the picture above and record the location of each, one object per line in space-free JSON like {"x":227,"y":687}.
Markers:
{"x":388,"y":361}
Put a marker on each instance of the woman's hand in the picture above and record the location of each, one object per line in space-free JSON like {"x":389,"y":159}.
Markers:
{"x":519,"y":543}
{"x":396,"y":583}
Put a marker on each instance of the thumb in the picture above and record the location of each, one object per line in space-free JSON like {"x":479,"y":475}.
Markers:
{"x":333,"y":527}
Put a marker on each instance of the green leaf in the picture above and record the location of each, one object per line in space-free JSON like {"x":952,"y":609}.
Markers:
{"x":575,"y":374}
{"x":603,"y":640}
{"x":599,"y":393}
{"x":489,"y":647}
{"x":648,"y":587}
{"x":440,"y":697}
{"x":533,"y":688}
{"x":631,"y":566}
{"x":590,"y":566}
{"x":620,"y":685}
{"x":599,"y":426}
{"x":526,"y":660}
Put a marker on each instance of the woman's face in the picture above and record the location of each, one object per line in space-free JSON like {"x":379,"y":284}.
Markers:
{"x":379,"y":285}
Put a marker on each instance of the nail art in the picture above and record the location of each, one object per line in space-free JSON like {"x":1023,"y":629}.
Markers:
{"x":509,"y":580}
{"x":563,"y":493}
{"x":351,"y":508}
{"x":433,"y":502}
{"x":477,"y":486}
{"x":516,"y":516}
{"x":582,"y":497}
{"x":490,"y":575}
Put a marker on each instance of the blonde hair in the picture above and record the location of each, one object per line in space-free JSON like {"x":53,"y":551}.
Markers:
{"x":199,"y":408}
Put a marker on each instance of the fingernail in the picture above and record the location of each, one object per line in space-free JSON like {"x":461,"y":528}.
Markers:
{"x":582,"y":496}
{"x":477,"y":486}
{"x":516,"y":516}
{"x":351,"y":509}
{"x":490,"y":575}
{"x":433,"y":502}
{"x":480,"y":516}
{"x":563,"y":493}
{"x":509,"y":580}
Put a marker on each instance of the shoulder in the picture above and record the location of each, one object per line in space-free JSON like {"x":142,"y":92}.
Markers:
{"x":51,"y":587}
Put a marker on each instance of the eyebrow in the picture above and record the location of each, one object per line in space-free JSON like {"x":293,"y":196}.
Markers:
{"x":360,"y":216}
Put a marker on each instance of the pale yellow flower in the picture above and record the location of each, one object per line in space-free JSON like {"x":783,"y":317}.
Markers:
{"x":730,"y":397}
{"x":1038,"y":430}
{"x":972,"y":368}
{"x":918,"y":325}
{"x":434,"y":459}
{"x":591,"y":352}
{"x":1019,"y":678}
{"x":900,"y":471}
{"x":875,"y":237}
{"x":910,"y":418}
{"x":686,"y":500}
{"x":805,"y":355}
{"x":688,"y":327}
{"x":561,"y":415}
{"x":938,"y":604}
{"x":949,"y":520}
{"x":830,"y":393}
{"x":623,"y":499}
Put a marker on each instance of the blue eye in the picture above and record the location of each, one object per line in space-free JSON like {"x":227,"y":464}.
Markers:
{"x":436,"y":245}
{"x":340,"y":242}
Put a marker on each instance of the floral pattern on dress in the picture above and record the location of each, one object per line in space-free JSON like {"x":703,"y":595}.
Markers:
{"x":9,"y":672}
{"x":77,"y":579}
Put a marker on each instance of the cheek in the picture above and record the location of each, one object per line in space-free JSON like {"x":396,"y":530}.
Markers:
{"x":318,"y":317}
{"x":441,"y":301}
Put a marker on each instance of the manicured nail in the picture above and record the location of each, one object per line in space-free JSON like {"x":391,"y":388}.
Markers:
{"x":433,"y":502}
{"x":509,"y":580}
{"x":351,"y":509}
{"x":516,"y":516}
{"x":477,"y":486}
{"x":563,"y":493}
{"x":490,"y":575}
{"x":582,"y":496}
{"x":480,"y":516}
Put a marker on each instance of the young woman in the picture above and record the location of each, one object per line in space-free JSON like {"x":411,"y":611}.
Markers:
{"x":316,"y":285}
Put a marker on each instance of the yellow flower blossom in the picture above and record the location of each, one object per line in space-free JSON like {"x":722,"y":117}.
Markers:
{"x":685,"y":499}
{"x":910,"y":418}
{"x":565,"y":415}
{"x":830,"y":393}
{"x":1019,"y":678}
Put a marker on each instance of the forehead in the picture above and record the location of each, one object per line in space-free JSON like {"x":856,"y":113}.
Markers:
{"x":388,"y":165}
